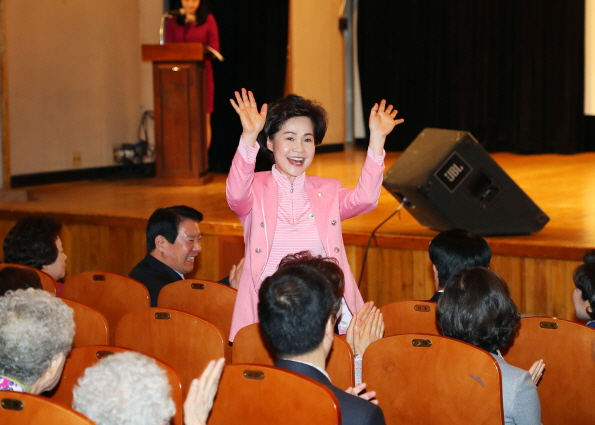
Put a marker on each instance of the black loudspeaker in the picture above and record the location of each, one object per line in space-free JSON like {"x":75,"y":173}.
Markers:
{"x":448,"y":180}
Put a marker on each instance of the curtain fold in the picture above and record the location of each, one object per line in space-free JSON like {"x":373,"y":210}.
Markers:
{"x":509,"y":72}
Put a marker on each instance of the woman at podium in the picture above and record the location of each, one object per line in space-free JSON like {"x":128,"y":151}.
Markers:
{"x":194,"y":23}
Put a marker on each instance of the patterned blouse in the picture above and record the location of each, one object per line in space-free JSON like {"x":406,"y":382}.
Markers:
{"x":7,"y":384}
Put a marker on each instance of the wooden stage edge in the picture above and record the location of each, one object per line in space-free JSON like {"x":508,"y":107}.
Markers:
{"x":104,"y":226}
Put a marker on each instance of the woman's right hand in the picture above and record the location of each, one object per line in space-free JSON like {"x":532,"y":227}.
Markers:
{"x":252,"y":120}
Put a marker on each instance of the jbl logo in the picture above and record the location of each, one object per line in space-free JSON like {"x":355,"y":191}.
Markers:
{"x":453,"y":172}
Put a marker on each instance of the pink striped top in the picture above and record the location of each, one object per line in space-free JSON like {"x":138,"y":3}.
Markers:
{"x":295,"y":230}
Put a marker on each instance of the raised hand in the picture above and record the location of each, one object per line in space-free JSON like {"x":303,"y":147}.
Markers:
{"x":201,"y":394}
{"x":252,"y":120}
{"x":536,"y":371}
{"x":382,"y":121}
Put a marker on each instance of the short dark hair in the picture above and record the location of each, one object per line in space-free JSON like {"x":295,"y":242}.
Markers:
{"x":456,"y":249}
{"x":166,"y":221}
{"x":584,"y":280}
{"x":295,"y":304}
{"x":32,"y":242}
{"x":476,"y":307}
{"x":292,"y":106}
{"x":326,"y":266}
{"x":13,"y":278}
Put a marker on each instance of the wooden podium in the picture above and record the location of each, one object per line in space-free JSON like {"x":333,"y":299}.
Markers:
{"x":179,"y":90}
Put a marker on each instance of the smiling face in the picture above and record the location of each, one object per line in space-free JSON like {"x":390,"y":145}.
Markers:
{"x":293,"y":146}
{"x":57,"y":269}
{"x":190,"y":6}
{"x":181,"y":254}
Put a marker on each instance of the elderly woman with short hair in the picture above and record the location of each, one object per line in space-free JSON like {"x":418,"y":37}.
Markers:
{"x":36,"y":332}
{"x":476,"y":308}
{"x":131,"y":389}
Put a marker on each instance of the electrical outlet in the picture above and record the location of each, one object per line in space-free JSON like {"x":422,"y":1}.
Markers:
{"x":77,"y":159}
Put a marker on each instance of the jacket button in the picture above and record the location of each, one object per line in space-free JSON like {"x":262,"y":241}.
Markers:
{"x":336,"y":249}
{"x":319,"y":194}
{"x":258,"y":250}
{"x":262,"y":224}
{"x":334,"y":222}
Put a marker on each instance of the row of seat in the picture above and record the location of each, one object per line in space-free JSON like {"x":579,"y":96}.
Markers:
{"x":554,"y":340}
{"x":248,"y":394}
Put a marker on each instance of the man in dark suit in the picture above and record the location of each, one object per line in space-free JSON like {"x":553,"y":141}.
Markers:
{"x":453,"y":250}
{"x":297,"y":311}
{"x":173,"y":242}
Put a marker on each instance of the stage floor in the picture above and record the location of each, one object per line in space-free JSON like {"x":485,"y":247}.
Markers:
{"x":104,"y":224}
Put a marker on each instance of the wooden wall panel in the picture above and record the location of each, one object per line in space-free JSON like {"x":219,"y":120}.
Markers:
{"x":538,"y":286}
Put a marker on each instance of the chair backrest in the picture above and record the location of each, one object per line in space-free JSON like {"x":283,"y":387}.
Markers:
{"x":47,"y":282}
{"x":422,"y":378}
{"x":91,"y":325}
{"x":250,"y":346}
{"x":568,"y":351}
{"x":112,"y":294}
{"x":209,"y":300}
{"x":256,"y":395}
{"x":183,"y":340}
{"x":406,"y":317}
{"x":81,"y":358}
{"x":22,"y":408}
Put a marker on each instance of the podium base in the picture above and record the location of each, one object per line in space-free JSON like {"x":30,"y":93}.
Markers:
{"x":182,"y":181}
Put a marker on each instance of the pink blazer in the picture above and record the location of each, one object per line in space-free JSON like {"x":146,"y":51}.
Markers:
{"x":253,"y":197}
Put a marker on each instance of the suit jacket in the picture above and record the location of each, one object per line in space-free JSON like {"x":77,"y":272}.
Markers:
{"x":354,"y":410}
{"x":519,"y":395}
{"x":253,"y":197}
{"x":154,"y":275}
{"x":436,"y":297}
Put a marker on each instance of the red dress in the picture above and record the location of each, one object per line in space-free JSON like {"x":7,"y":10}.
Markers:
{"x":206,"y":33}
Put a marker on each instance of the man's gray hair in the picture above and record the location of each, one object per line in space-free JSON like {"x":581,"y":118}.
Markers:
{"x":124,"y":389}
{"x":35,"y":326}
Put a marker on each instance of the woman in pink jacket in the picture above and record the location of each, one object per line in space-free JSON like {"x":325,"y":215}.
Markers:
{"x":283,"y":211}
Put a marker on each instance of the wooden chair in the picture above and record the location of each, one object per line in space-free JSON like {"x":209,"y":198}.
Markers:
{"x":22,"y":408}
{"x":431,"y":379}
{"x":81,"y":358}
{"x":250,"y":346}
{"x":47,"y":282}
{"x":256,"y":395}
{"x":209,"y":300}
{"x":184,"y":340}
{"x":568,"y":351}
{"x":112,"y":294}
{"x":405,"y":317}
{"x":91,"y":325}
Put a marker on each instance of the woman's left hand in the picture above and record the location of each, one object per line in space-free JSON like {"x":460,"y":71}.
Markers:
{"x":382,"y":122}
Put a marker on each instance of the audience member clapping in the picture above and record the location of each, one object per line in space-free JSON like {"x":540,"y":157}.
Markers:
{"x":13,"y":278}
{"x":35,"y":242}
{"x":131,"y":389}
{"x":583,"y":296}
{"x":476,"y":308}
{"x":36,"y":332}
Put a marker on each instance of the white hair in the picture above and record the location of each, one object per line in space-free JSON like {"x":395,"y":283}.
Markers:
{"x":124,"y":389}
{"x":35,"y":326}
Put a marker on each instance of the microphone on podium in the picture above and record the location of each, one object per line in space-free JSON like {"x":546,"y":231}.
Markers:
{"x":169,"y":14}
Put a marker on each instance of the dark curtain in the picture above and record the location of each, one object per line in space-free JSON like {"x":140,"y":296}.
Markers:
{"x":509,"y":72}
{"x":253,"y":36}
